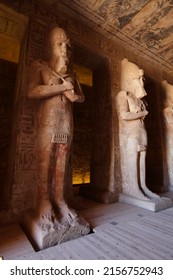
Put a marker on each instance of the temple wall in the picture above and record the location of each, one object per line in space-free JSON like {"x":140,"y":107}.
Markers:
{"x":106,"y":160}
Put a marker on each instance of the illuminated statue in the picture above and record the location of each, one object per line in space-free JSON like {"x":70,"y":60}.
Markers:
{"x":132,"y":134}
{"x":56,"y":89}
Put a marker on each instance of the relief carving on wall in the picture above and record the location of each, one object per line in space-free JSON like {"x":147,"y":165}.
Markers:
{"x":26,"y":152}
{"x":11,"y":24}
{"x":133,"y":24}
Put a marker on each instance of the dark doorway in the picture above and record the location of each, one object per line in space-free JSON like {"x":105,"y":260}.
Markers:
{"x":92,"y":120}
{"x":8,"y":71}
{"x":153,"y":121}
{"x":82,"y":140}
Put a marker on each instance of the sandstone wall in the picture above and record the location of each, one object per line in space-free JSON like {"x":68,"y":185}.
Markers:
{"x":106,"y":174}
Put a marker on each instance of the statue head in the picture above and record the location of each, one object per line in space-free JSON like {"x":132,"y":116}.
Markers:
{"x":59,"y":43}
{"x":168,"y":91}
{"x":132,"y":78}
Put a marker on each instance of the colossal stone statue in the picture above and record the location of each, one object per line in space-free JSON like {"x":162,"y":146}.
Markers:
{"x":132,"y":134}
{"x":168,"y":118}
{"x":56,"y":88}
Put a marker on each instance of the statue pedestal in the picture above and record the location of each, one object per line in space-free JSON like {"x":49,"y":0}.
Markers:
{"x":156,"y":204}
{"x":47,"y":231}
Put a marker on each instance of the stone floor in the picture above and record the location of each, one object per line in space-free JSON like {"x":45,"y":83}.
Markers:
{"x":120,"y":231}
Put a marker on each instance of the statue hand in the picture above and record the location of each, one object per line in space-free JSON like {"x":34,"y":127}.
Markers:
{"x":68,"y":85}
{"x":145,"y":113}
{"x":71,"y":95}
{"x":61,"y":81}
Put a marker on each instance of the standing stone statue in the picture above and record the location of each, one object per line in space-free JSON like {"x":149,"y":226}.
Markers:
{"x":168,"y":118}
{"x":132,"y":134}
{"x":56,"y":88}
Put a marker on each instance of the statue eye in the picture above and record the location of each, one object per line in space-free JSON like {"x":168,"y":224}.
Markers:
{"x":142,"y":79}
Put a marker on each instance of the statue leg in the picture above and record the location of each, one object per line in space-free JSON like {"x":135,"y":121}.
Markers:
{"x":45,"y":171}
{"x":60,"y":173}
{"x":132,"y":165}
{"x":147,"y":192}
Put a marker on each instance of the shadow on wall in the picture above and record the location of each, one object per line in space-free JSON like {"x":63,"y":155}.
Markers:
{"x":8,"y":71}
{"x":153,"y":122}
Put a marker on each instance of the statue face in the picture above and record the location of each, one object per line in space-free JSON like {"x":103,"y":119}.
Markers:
{"x":168,"y":88}
{"x":59,"y":43}
{"x":138,"y":85}
{"x":60,"y":48}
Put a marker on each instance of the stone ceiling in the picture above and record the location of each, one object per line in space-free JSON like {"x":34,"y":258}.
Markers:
{"x":145,"y":25}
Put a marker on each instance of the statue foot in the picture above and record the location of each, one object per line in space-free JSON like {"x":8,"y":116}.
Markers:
{"x":141,"y":196}
{"x":149,"y":193}
{"x":136,"y":193}
{"x":66,"y":213}
{"x":44,"y":210}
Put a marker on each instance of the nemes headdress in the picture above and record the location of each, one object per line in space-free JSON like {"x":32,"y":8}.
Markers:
{"x":129,"y":71}
{"x":58,"y":34}
{"x":168,"y":89}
